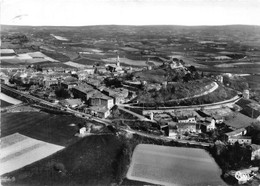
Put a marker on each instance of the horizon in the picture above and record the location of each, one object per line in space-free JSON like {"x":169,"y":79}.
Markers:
{"x":130,"y":13}
{"x":129,"y":25}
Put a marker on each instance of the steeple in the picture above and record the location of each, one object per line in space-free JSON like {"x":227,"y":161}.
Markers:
{"x":118,"y":61}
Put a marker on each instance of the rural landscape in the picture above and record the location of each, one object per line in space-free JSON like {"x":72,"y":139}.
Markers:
{"x":130,"y":105}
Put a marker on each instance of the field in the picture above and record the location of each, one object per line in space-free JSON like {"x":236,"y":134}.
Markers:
{"x":4,"y":103}
{"x":173,"y":166}
{"x":131,"y":62}
{"x":18,"y":151}
{"x":8,"y":99}
{"x":90,"y":161}
{"x":50,"y":128}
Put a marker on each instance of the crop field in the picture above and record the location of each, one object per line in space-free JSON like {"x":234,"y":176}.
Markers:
{"x":9,"y":99}
{"x":173,"y":166}
{"x":50,"y":128}
{"x":90,"y":161}
{"x":18,"y":151}
{"x":4,"y":103}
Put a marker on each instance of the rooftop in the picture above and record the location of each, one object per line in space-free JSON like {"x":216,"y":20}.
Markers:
{"x":101,"y":96}
{"x":239,"y":120}
{"x":84,"y":88}
{"x":235,"y":132}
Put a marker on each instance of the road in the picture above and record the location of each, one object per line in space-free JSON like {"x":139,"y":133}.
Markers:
{"x":190,"y":107}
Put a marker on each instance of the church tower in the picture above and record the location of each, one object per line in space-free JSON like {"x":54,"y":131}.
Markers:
{"x":118,"y":61}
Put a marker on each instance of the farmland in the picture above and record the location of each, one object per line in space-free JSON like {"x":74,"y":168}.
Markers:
{"x":9,"y":99}
{"x":90,"y":161}
{"x":173,"y":166}
{"x":18,"y":151}
{"x":4,"y":103}
{"x":50,"y":128}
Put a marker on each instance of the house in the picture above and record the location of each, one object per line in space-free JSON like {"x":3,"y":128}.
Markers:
{"x":89,"y":70}
{"x":50,"y":81}
{"x":218,"y":119}
{"x":68,"y":85}
{"x":99,"y":99}
{"x":100,"y":69}
{"x":238,"y":136}
{"x":208,"y":124}
{"x":118,"y":95}
{"x":249,"y":108}
{"x":82,"y":91}
{"x":82,"y":130}
{"x":255,"y":152}
{"x":187,"y":127}
{"x":93,"y":82}
{"x":238,"y":132}
{"x":99,"y":111}
{"x":186,"y":119}
{"x":240,"y":139}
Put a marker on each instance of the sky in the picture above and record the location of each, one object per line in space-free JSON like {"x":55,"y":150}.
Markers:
{"x":129,"y":12}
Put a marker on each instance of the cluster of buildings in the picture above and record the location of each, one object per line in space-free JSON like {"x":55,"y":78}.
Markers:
{"x":86,"y":88}
{"x":232,"y":125}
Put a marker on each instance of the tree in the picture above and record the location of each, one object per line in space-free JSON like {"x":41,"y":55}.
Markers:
{"x":192,"y":69}
{"x":62,"y":93}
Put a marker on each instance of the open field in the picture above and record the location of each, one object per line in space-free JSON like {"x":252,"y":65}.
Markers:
{"x":4,"y":103}
{"x":90,"y":161}
{"x":42,"y":126}
{"x":9,"y":99}
{"x":173,"y":166}
{"x":18,"y":151}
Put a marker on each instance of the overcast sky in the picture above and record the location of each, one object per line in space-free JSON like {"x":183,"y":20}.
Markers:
{"x":129,"y":12}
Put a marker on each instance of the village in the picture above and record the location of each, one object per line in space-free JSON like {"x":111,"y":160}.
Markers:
{"x":112,"y":94}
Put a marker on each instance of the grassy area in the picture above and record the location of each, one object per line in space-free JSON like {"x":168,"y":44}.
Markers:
{"x":91,"y":161}
{"x":155,"y":76}
{"x":220,"y":94}
{"x":42,"y":126}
